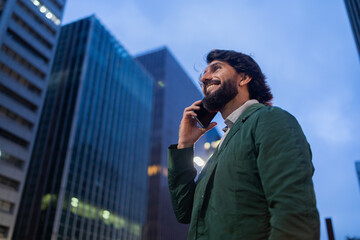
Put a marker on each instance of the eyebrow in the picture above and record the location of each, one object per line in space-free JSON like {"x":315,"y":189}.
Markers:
{"x":211,"y":66}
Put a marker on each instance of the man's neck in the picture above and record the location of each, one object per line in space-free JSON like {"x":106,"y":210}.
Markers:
{"x":232,"y":106}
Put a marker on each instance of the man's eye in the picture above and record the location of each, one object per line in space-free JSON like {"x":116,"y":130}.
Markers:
{"x":216,"y":68}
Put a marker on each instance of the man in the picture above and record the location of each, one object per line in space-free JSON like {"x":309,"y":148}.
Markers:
{"x":258,"y":182}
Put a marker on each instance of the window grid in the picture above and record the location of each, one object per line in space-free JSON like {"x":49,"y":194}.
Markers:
{"x":102,"y":198}
{"x":11,"y":160}
{"x":15,"y":117}
{"x":13,"y":138}
{"x":27,"y":46}
{"x":4,"y":231}
{"x":31,"y":31}
{"x":10,"y":52}
{"x":6,"y":206}
{"x":9,"y":183}
{"x":20,"y":79}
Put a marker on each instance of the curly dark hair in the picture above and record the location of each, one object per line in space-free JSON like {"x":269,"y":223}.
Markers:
{"x":242,"y":63}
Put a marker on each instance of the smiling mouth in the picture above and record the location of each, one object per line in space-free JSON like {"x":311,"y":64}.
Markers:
{"x":211,"y":84}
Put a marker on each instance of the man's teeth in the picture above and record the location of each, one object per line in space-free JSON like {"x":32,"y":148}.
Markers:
{"x":210,"y":87}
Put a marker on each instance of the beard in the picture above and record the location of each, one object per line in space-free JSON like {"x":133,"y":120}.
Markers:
{"x":215,"y":101}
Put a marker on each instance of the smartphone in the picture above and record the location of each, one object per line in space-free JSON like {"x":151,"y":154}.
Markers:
{"x":204,"y":117}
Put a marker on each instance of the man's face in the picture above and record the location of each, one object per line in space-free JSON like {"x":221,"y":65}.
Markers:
{"x":219,"y":82}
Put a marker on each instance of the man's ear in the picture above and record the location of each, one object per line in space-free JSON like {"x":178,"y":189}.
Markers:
{"x":245,"y":80}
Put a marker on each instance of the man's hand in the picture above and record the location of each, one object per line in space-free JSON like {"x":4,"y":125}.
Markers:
{"x":189,"y":131}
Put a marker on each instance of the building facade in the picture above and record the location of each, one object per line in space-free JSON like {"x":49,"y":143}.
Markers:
{"x":28,"y":35}
{"x":88,"y":173}
{"x":353,"y":9}
{"x":173,"y":91}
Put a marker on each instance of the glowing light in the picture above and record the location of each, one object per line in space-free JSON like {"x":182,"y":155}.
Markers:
{"x":106,"y":214}
{"x":215,"y":143}
{"x":47,"y":200}
{"x":161,"y":84}
{"x":92,"y":212}
{"x":42,"y":9}
{"x":199,"y":161}
{"x":157,"y":169}
{"x":207,"y":146}
{"x":153,"y":170}
{"x":49,"y":15}
{"x":74,"y":202}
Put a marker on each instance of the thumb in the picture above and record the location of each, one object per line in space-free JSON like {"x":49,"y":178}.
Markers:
{"x":211,"y":126}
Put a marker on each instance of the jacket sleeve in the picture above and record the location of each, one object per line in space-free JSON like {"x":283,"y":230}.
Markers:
{"x":181,"y":175}
{"x":286,"y":169}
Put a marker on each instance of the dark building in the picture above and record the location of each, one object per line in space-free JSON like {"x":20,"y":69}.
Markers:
{"x":173,"y":91}
{"x":353,"y":9}
{"x":28,"y":35}
{"x":88,"y":173}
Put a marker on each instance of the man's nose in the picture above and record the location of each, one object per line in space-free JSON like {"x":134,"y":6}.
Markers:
{"x":206,"y":77}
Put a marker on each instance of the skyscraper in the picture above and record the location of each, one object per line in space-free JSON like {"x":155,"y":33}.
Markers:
{"x":173,"y":91}
{"x":28,"y":34}
{"x":353,"y":9}
{"x":88,"y":173}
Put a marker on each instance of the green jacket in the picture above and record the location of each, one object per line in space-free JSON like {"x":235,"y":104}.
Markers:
{"x":258,"y":185}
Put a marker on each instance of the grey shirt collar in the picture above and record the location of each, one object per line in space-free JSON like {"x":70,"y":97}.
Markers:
{"x":231,"y":119}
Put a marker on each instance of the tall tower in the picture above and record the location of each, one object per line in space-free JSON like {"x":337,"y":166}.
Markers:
{"x":28,"y":34}
{"x":88,"y":173}
{"x":353,"y":9}
{"x":173,"y":91}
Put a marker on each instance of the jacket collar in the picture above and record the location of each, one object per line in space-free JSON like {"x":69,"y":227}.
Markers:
{"x":239,"y":122}
{"x":212,"y":162}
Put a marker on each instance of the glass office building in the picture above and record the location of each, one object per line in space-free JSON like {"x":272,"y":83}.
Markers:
{"x":353,"y":9}
{"x":173,"y":91}
{"x":88,"y":173}
{"x":28,"y":35}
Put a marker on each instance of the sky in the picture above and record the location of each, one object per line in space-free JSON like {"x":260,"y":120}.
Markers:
{"x":306,"y":50}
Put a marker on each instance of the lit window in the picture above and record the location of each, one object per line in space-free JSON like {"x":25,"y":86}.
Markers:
{"x":153,"y":170}
{"x":74,"y":202}
{"x":106,"y":214}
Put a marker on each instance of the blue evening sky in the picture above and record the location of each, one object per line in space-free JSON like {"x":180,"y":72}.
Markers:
{"x":305,"y":48}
